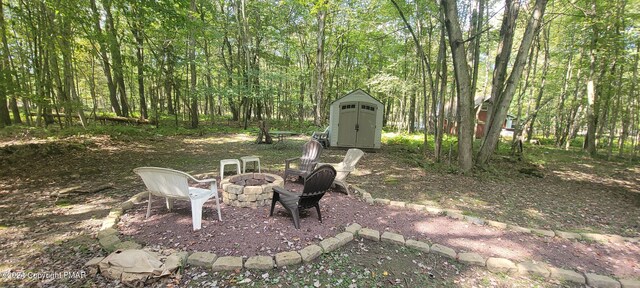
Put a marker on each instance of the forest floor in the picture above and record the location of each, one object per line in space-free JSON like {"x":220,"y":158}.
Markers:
{"x":44,"y":230}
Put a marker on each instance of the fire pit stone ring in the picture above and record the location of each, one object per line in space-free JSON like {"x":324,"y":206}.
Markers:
{"x":249,"y":189}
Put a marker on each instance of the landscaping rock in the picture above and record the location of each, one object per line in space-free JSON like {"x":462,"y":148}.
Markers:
{"x":369,"y":200}
{"x":392,"y":237}
{"x":109,"y":222}
{"x":127,"y":245}
{"x":126,"y":205}
{"x":631,"y":240}
{"x":92,"y":265}
{"x":567,"y":235}
{"x":260,"y":262}
{"x":93,"y":262}
{"x":288,"y":258}
{"x":381,"y":201}
{"x":175,"y":260}
{"x":107,"y":232}
{"x":600,"y":281}
{"x":134,"y":268}
{"x":400,"y":204}
{"x":344,"y":238}
{"x":202,"y":259}
{"x":519,"y":229}
{"x":444,"y":251}
{"x":455,"y":215}
{"x":418,"y":245}
{"x":533,"y":268}
{"x":566,"y":275}
{"x":136,"y":199}
{"x":496,"y":224}
{"x":329,"y":244}
{"x":116,"y":213}
{"x":615,"y":239}
{"x":227,"y":263}
{"x":415,"y":207}
{"x":628,"y":283}
{"x":543,"y":233}
{"x":595,"y":237}
{"x":353,"y":228}
{"x":310,"y":252}
{"x":433,"y":210}
{"x":471,"y":258}
{"x":501,"y":265}
{"x":234,"y":189}
{"x":429,"y":203}
{"x":474,"y":220}
{"x":453,"y":211}
{"x":109,"y":242}
{"x":370,"y":234}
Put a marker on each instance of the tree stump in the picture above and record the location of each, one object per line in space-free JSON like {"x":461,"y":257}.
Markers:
{"x":263,"y":132}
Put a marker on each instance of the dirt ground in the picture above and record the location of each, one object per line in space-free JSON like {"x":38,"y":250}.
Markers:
{"x":43,"y":228}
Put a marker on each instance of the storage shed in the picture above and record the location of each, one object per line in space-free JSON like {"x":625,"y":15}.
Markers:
{"x":355,"y":120}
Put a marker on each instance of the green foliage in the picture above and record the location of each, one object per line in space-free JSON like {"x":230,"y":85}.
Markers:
{"x":410,"y":143}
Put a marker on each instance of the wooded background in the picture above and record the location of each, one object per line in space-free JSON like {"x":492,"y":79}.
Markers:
{"x":563,"y":68}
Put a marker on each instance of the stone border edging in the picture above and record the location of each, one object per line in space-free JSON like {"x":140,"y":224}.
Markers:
{"x":458,"y":214}
{"x":109,"y":241}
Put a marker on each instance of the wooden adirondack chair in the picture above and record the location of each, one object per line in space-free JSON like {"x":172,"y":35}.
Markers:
{"x":315,"y":185}
{"x":310,"y":154}
{"x":173,"y":184}
{"x":345,"y":167}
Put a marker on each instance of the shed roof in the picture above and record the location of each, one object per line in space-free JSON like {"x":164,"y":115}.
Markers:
{"x":354,"y":91}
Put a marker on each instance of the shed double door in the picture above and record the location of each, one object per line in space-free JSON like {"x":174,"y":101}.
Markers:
{"x":357,"y":124}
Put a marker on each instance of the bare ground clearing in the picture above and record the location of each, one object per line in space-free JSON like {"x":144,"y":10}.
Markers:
{"x":44,"y":230}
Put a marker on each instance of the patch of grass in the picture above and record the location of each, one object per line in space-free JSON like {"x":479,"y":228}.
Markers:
{"x":63,"y":203}
{"x":391,"y":180}
{"x":469,"y":213}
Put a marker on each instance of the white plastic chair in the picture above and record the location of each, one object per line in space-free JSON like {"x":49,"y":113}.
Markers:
{"x":173,"y":184}
{"x":322,"y":137}
{"x":345,"y":167}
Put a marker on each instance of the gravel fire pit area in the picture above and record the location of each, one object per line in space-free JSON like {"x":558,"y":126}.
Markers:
{"x":250,"y":189}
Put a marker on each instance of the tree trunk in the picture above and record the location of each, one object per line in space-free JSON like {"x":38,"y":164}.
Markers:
{"x":592,"y":94}
{"x":560,"y":115}
{"x":439,"y":110}
{"x":545,"y":68}
{"x":8,"y":70}
{"x":615,"y":110}
{"x":517,"y":133}
{"x":116,"y":57}
{"x":499,"y":111}
{"x":5,"y":75}
{"x":192,"y":68}
{"x":106,"y":66}
{"x":136,"y":29}
{"x":477,"y":16}
{"x":319,"y":92}
{"x":627,"y":121}
{"x":463,"y":79}
{"x":169,"y":78}
{"x":507,"y":32}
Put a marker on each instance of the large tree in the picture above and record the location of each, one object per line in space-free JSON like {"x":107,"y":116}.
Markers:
{"x":463,"y":85}
{"x":5,"y":74}
{"x":502,"y":92}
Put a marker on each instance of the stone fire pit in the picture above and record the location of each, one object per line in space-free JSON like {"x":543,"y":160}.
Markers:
{"x":250,"y":189}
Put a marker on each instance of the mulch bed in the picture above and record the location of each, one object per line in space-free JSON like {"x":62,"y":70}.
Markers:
{"x":250,"y":231}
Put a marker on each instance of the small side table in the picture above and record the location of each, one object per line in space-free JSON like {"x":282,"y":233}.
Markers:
{"x":247,"y":159}
{"x":224,"y":162}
